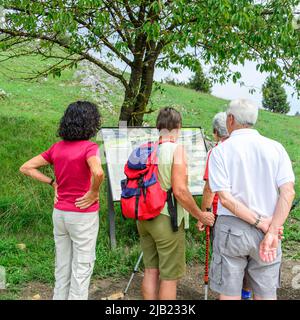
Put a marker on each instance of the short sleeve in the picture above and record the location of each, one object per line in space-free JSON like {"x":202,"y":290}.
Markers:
{"x":48,"y":154}
{"x":218,"y":178}
{"x":205,"y":177}
{"x":92,"y":150}
{"x":285,"y":169}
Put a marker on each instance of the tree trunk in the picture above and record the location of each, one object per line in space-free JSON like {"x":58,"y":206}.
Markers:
{"x":144,"y":94}
{"x":134,"y":85}
{"x":127,"y":108}
{"x":135,"y":103}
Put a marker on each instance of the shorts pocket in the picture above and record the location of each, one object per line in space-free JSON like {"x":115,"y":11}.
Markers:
{"x":232,"y":241}
{"x":216,"y":273}
{"x":85,"y":265}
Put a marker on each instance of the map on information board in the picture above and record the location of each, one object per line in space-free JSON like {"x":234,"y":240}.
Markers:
{"x":119,"y":143}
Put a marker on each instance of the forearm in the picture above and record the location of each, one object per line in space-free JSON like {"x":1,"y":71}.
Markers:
{"x":97,"y":179}
{"x":186,"y":200}
{"x":237,"y":208}
{"x":37,"y":175}
{"x":208,"y":197}
{"x":282,"y":208}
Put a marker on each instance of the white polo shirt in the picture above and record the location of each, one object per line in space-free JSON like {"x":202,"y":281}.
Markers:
{"x":252,"y":168}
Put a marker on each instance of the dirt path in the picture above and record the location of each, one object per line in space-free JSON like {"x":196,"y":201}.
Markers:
{"x":190,"y":287}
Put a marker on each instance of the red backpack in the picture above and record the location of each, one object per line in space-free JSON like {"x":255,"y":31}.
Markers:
{"x":142,"y":197}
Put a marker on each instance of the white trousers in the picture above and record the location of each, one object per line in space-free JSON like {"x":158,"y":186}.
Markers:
{"x":75,"y":236}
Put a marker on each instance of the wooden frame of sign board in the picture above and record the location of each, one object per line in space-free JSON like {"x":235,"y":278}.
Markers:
{"x":112,"y":198}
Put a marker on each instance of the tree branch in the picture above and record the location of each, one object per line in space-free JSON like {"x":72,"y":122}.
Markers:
{"x":105,"y":42}
{"x":113,"y":13}
{"x":134,"y":21}
{"x":60,"y":43}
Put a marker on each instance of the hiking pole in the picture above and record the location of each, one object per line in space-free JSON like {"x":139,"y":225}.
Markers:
{"x":206,"y":272}
{"x":135,"y":270}
{"x":120,"y":295}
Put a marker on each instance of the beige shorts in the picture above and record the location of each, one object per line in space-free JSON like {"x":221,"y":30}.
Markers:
{"x":236,"y":252}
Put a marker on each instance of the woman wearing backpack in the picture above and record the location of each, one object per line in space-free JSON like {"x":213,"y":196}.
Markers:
{"x":78,"y":176}
{"x":164,"y":250}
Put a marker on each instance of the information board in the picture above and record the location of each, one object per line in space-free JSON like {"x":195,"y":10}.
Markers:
{"x":120,"y":142}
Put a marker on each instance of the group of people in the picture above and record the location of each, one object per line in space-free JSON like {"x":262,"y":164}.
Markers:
{"x":249,"y":183}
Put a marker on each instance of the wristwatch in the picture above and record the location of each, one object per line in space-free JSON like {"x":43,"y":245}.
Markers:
{"x":52,"y":181}
{"x":258,"y":220}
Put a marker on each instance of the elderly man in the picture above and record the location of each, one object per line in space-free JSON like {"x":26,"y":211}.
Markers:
{"x":254,"y":180}
{"x":210,"y":199}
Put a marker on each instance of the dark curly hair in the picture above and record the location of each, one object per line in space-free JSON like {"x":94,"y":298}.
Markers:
{"x":81,"y":121}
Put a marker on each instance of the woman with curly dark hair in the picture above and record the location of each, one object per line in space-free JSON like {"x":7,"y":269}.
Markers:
{"x":78,"y":176}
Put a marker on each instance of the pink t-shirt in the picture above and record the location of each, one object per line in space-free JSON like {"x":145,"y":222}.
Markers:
{"x":72,"y":172}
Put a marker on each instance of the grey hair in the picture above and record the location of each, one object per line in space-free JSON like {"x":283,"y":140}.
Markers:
{"x":219,"y":125}
{"x":244,"y":111}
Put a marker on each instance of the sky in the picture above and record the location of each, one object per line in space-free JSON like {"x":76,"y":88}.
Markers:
{"x":250,"y":76}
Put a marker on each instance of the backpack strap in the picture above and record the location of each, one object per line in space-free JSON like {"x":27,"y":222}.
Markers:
{"x":154,"y":154}
{"x":156,"y":148}
{"x":160,"y":140}
{"x":172,"y":208}
{"x":137,"y":197}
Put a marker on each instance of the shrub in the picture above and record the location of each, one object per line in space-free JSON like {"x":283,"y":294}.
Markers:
{"x":274,"y":96}
{"x":200,"y":82}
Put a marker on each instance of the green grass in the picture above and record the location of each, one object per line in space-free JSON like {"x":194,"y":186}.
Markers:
{"x":28,"y":122}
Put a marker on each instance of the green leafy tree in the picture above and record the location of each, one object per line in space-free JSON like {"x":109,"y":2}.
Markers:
{"x":147,"y":34}
{"x":200,"y":82}
{"x":274,"y":96}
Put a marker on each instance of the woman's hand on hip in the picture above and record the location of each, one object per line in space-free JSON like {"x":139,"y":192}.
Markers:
{"x":87,"y":200}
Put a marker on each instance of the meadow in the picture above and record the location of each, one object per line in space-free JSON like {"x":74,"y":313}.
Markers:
{"x":29,"y":117}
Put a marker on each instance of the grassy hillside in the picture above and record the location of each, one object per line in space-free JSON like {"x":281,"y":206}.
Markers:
{"x":28,"y":122}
